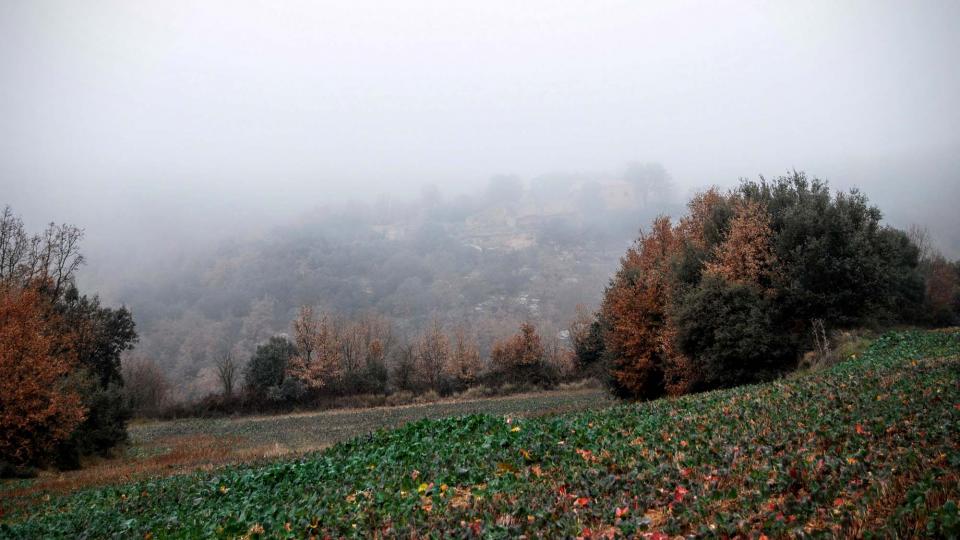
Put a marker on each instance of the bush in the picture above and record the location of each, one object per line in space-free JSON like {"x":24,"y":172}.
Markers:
{"x":268,"y":365}
{"x":728,"y":294}
{"x":103,"y":334}
{"x":731,"y":329}
{"x":430,"y":396}
{"x":942,"y":291}
{"x":520,"y":359}
{"x":403,"y":397}
{"x":477,"y":392}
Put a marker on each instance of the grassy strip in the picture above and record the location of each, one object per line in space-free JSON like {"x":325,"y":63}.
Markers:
{"x":870,"y":445}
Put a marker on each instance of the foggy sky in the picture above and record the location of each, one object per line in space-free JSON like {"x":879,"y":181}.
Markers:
{"x":130,"y":118}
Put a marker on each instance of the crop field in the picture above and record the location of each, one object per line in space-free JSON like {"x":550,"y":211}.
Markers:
{"x":871,"y":445}
{"x":173,"y":447}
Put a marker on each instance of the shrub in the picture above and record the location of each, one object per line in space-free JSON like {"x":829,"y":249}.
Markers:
{"x":268,"y":366}
{"x":429,"y":396}
{"x":731,"y":329}
{"x":104,"y":427}
{"x":100,"y":337}
{"x":520,"y":359}
{"x":727,"y":295}
{"x":404,"y":397}
{"x":586,"y":336}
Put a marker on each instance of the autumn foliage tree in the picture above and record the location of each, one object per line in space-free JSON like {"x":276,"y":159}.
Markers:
{"x":319,"y":357}
{"x":727,"y":295}
{"x":745,"y":255}
{"x":728,"y":321}
{"x":465,"y":365}
{"x":635,"y":310}
{"x":38,"y":408}
{"x":521,"y":359}
{"x":37,"y":270}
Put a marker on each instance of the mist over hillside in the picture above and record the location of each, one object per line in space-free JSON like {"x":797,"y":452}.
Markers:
{"x":487,"y":261}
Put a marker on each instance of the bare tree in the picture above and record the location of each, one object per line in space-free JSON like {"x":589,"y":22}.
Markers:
{"x":145,"y":387}
{"x":820,"y":339}
{"x":404,"y":368}
{"x":650,"y":180}
{"x":464,"y":358}
{"x":433,"y":355}
{"x":319,"y":356}
{"x":50,"y":258}
{"x":558,"y":355}
{"x":920,"y":237}
{"x":227,"y":373}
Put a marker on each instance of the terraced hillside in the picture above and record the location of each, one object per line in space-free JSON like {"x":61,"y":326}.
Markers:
{"x":870,"y":445}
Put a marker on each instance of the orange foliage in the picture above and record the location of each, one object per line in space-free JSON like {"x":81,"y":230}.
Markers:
{"x":319,"y":355}
{"x":640,"y":336}
{"x":745,"y":255}
{"x":522,"y":350}
{"x":635,"y":307}
{"x":679,"y":372}
{"x":692,"y":227}
{"x":464,"y":358}
{"x":36,"y":410}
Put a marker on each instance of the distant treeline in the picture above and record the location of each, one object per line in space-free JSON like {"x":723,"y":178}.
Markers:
{"x":333,"y":361}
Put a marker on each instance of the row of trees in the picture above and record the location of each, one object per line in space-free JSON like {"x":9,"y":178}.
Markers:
{"x":327,"y":357}
{"x":60,"y":379}
{"x":730,"y":293}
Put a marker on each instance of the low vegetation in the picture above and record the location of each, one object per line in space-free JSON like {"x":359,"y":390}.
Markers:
{"x":869,"y":444}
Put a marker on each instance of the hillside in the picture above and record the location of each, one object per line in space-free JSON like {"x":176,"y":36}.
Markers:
{"x":870,"y":444}
{"x":481,"y":262}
